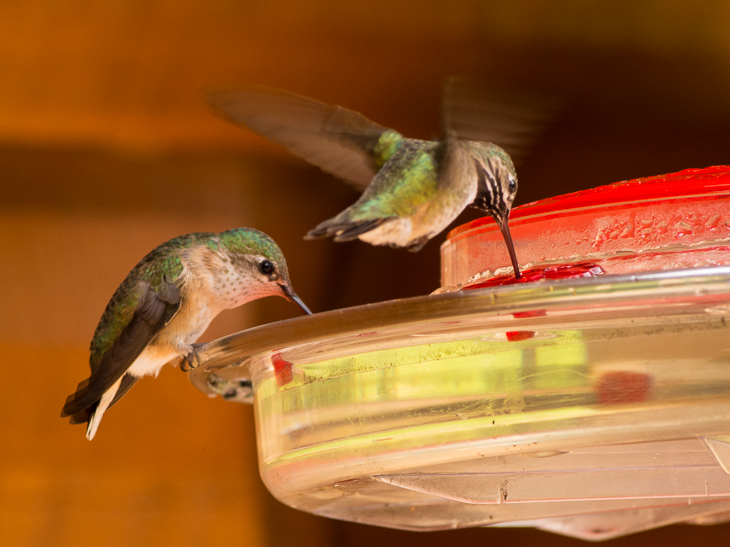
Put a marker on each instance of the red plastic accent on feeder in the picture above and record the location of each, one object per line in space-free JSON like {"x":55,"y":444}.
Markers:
{"x":623,"y":387}
{"x":531,"y":313}
{"x":282,"y":370}
{"x":519,"y":335}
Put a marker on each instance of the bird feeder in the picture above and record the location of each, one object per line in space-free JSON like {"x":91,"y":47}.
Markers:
{"x":591,"y":398}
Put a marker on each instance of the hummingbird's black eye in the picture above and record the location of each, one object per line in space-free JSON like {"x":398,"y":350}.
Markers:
{"x":266,"y":267}
{"x":512,"y":186}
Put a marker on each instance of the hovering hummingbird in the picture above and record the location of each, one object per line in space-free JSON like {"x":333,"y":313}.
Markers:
{"x":166,"y":302}
{"x":413,"y":189}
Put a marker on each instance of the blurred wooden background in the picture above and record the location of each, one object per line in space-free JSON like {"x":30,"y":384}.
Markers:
{"x":107,"y":149}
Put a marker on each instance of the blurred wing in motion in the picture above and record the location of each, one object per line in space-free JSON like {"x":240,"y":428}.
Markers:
{"x":511,"y":120}
{"x":339,"y":141}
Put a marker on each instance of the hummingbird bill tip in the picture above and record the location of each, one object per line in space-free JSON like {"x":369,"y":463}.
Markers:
{"x":291,"y":295}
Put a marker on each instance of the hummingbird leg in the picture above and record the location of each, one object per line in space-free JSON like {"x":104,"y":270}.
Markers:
{"x":418,"y":244}
{"x":191,"y":360}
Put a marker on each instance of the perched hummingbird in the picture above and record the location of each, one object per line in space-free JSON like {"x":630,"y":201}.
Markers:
{"x":413,"y":188}
{"x":166,"y":302}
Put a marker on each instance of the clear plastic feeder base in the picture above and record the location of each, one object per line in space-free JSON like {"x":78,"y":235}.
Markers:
{"x":591,"y":404}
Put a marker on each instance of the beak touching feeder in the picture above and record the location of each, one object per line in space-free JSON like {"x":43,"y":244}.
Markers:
{"x":591,"y":399}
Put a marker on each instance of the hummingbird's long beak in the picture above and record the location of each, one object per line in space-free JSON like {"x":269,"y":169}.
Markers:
{"x":291,"y":295}
{"x":504,"y":228}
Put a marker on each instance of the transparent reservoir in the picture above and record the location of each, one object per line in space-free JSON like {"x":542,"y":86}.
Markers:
{"x":592,"y":400}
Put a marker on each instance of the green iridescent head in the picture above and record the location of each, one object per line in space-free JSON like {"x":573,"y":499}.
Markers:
{"x":497,"y":180}
{"x":259,"y":255}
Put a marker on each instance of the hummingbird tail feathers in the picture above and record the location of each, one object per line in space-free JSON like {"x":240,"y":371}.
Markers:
{"x":78,"y":414}
{"x":94,"y":412}
{"x":344,"y":231}
{"x":82,"y":416}
{"x":97,"y":413}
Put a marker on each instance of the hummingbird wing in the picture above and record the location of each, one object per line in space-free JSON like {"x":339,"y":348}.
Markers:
{"x":512,"y":120}
{"x":121,"y":337}
{"x":339,"y":141}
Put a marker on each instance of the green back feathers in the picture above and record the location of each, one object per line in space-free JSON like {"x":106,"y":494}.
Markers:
{"x":409,"y":180}
{"x":386,"y":146}
{"x":161,"y":263}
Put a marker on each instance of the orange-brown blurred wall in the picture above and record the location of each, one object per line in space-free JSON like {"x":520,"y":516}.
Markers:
{"x":169,"y":466}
